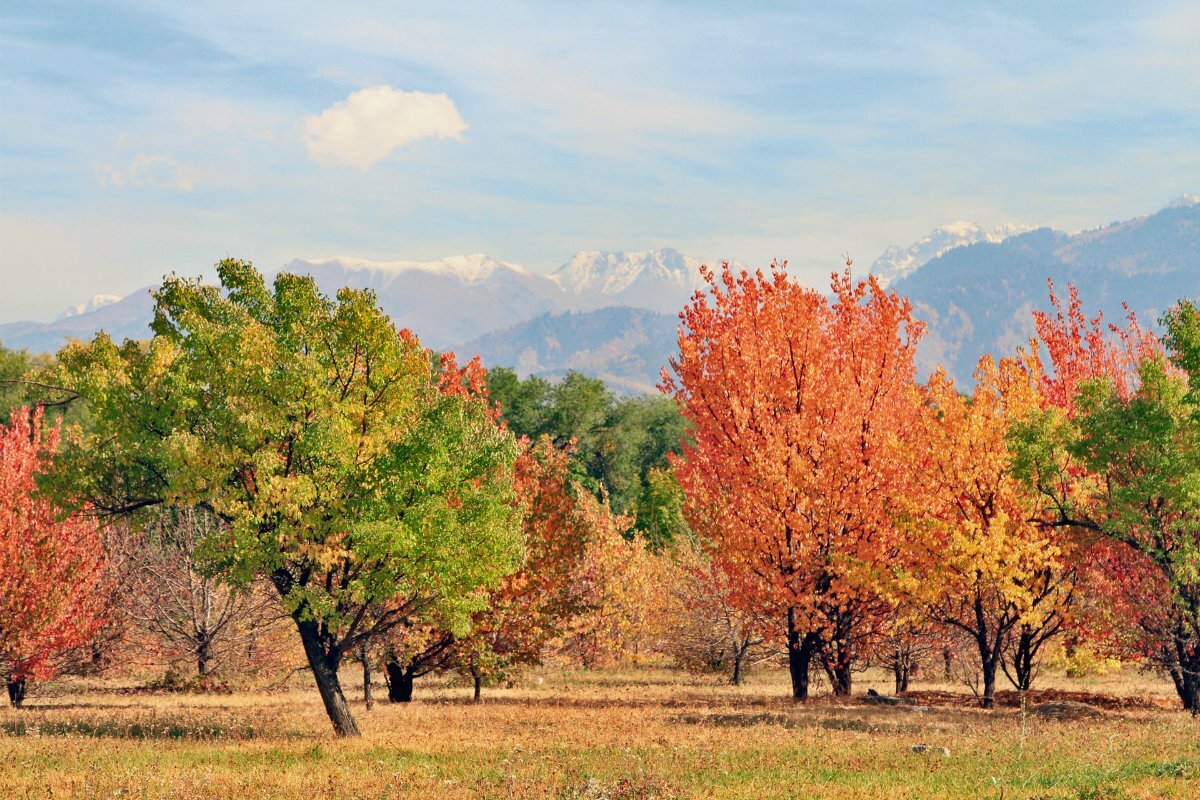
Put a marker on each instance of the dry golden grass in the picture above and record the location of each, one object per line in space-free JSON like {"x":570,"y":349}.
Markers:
{"x":627,"y":734}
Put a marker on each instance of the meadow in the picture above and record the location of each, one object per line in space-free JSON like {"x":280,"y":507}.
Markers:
{"x":602,"y":735}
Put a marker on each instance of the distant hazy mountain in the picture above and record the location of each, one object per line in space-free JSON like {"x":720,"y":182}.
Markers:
{"x":612,"y":314}
{"x":625,"y":346}
{"x":446,"y":301}
{"x":979,"y":298}
{"x":662,"y":280}
{"x":443,"y":301}
{"x":127,"y":318}
{"x":96,"y":303}
{"x":897,"y":262}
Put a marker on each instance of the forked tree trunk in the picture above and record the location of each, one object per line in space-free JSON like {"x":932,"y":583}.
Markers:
{"x":801,"y":648}
{"x":841,"y":678}
{"x":400,"y":682}
{"x":1022,"y":662}
{"x":901,"y":669}
{"x":203,"y":654}
{"x":16,"y":691}
{"x":324,"y":664}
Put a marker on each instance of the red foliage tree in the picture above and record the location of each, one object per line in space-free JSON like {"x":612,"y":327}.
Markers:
{"x":51,"y":568}
{"x":535,"y":603}
{"x":799,"y":409}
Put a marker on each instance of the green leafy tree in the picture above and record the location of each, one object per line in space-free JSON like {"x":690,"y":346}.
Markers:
{"x":616,"y":444}
{"x":342,"y":472}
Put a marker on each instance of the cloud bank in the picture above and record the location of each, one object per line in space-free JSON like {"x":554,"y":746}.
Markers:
{"x":371,"y":123}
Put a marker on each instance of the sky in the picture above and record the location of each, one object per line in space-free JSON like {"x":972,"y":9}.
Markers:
{"x":139,"y":139}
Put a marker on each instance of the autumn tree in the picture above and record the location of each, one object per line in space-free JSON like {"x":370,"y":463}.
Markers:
{"x":320,"y":438}
{"x":1114,"y":456}
{"x":186,"y":613}
{"x":626,"y":592}
{"x":51,"y":567}
{"x":798,"y":409}
{"x":711,"y":630}
{"x":987,"y":567}
{"x":533,"y":605}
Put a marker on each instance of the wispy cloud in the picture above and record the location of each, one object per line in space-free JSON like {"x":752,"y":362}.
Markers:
{"x":151,"y":170}
{"x":372,"y":123}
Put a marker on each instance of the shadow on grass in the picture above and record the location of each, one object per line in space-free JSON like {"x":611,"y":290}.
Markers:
{"x":127,"y":730}
{"x":794,"y":722}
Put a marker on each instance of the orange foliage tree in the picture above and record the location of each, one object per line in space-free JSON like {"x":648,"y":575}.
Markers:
{"x":51,"y":568}
{"x":799,"y":408}
{"x":989,"y":569}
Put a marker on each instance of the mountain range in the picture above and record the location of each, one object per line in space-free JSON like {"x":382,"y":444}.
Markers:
{"x":613,"y":314}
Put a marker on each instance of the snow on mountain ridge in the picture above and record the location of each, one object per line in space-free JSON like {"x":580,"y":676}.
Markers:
{"x":95,"y":302}
{"x":1184,"y":200}
{"x":897,"y":262}
{"x":471,"y":268}
{"x":612,"y":273}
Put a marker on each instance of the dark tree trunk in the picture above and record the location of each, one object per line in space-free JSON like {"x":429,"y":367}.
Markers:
{"x":203,"y":654}
{"x":478,"y":679}
{"x":739,"y":658}
{"x":400,"y":682}
{"x":324,"y":663}
{"x":948,"y":661}
{"x":16,"y":691}
{"x":1022,"y":662}
{"x":365,"y":658}
{"x":801,"y":648}
{"x":836,"y":657}
{"x":1185,"y":673}
{"x":988,"y":667}
{"x":840,"y":677}
{"x":901,"y":669}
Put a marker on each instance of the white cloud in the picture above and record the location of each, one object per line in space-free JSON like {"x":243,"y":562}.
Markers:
{"x":149,"y":169}
{"x":368,"y":125}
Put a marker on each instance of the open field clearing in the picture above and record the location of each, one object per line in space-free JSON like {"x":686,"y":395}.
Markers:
{"x":628,"y":734}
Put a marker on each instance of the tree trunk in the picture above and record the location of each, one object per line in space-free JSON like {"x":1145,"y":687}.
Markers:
{"x":800,"y":653}
{"x":1185,"y":672}
{"x":840,"y":676}
{"x":1022,"y":662}
{"x":365,"y":658}
{"x":901,"y":668}
{"x":739,"y":658}
{"x":203,"y":655}
{"x":988,"y":666}
{"x":948,"y":661}
{"x":478,"y":679}
{"x":324,"y":664}
{"x":400,"y":682}
{"x":16,"y":690}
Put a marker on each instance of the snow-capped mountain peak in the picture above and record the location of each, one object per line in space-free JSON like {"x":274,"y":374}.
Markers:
{"x":610,"y":273}
{"x":472,"y":268}
{"x":94,"y":303}
{"x":1185,"y":200}
{"x":897,"y":262}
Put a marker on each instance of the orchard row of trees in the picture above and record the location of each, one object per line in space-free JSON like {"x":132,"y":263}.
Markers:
{"x":274,"y":458}
{"x":867,"y":513}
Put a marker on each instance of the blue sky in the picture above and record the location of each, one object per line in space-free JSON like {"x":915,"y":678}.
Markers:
{"x":142,"y":138}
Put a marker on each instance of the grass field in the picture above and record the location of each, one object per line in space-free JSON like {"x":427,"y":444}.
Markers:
{"x":594,"y":736}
